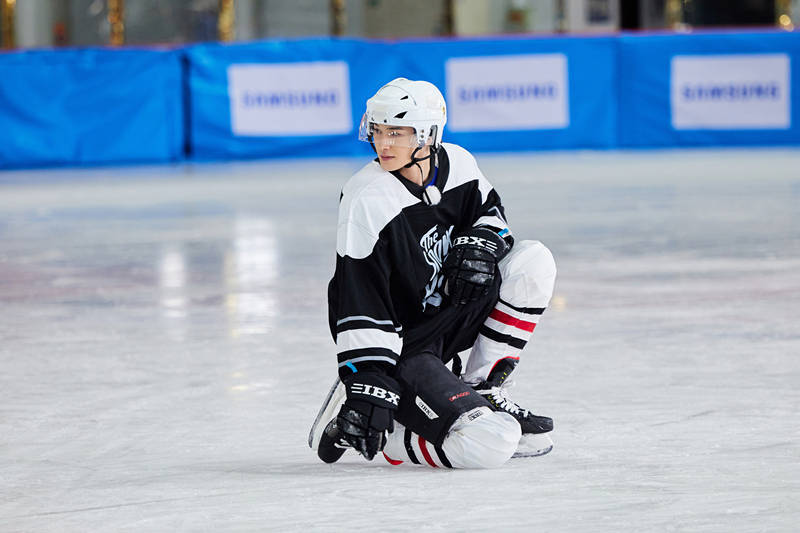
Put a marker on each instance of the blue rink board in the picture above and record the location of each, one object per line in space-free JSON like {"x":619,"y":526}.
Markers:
{"x":592,"y":120}
{"x":104,"y":106}
{"x":644,"y":87}
{"x":90,"y":106}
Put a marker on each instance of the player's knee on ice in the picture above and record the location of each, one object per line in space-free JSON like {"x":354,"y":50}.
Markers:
{"x":528,"y":273}
{"x":482,"y":438}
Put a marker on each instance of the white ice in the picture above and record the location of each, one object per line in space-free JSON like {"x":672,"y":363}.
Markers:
{"x":164,"y":349}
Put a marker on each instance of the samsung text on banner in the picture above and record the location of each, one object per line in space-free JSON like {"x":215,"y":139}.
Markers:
{"x":514,"y":92}
{"x":730,"y":92}
{"x":286,"y":99}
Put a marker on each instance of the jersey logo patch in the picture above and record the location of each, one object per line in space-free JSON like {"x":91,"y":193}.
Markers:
{"x":435,"y":248}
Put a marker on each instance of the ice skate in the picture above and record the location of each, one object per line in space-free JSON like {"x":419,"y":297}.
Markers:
{"x":535,"y":428}
{"x":332,"y":443}
{"x":328,"y":435}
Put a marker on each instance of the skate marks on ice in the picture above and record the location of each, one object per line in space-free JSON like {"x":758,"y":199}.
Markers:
{"x":164,"y":347}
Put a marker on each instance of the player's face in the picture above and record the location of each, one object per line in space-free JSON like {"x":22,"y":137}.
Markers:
{"x":394,"y":145}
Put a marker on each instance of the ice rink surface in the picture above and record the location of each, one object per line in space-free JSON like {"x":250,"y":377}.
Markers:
{"x":164,"y":349}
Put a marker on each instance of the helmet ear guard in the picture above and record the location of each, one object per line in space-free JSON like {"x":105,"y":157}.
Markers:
{"x":432,"y":135}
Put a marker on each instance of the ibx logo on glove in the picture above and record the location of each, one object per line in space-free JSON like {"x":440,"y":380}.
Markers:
{"x":475,"y":241}
{"x":372,"y":390}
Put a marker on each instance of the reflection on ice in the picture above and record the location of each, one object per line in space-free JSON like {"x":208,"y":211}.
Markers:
{"x":172,"y":284}
{"x":251,"y":274}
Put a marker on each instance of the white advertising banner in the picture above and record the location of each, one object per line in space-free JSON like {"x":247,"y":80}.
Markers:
{"x":496,"y":93}
{"x":729,"y":92}
{"x":286,"y":99}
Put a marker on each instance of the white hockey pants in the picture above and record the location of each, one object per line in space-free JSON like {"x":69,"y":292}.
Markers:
{"x":481,"y":438}
{"x":528,"y":277}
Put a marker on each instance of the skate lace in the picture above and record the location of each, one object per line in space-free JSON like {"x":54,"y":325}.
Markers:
{"x":501,"y":399}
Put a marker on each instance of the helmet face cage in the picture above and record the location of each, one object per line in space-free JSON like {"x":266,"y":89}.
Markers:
{"x":392,"y":135}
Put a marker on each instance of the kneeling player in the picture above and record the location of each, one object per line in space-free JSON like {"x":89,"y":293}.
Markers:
{"x":426,"y":268}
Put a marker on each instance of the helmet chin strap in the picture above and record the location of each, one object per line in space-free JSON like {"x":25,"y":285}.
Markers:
{"x":431,"y":152}
{"x":414,"y":159}
{"x":417,"y":160}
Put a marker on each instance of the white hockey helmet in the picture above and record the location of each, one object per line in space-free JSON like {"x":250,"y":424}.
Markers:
{"x":402,"y":102}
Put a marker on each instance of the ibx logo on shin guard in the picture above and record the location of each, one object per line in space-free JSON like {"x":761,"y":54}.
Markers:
{"x":430,"y":413}
{"x":377,"y":392}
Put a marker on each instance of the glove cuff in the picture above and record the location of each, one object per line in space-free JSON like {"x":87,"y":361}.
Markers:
{"x":485,"y":239}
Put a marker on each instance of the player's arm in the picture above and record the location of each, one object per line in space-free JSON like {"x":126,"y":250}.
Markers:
{"x":470,"y":268}
{"x":490,"y":213}
{"x":368,"y":337}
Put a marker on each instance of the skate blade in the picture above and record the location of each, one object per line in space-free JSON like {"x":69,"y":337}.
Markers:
{"x":533,"y":445}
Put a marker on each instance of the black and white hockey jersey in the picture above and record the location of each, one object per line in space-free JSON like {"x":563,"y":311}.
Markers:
{"x":390,"y":246}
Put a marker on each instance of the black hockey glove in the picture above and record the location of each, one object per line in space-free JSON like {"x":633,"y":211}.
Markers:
{"x":368,"y":411}
{"x":470,"y":267}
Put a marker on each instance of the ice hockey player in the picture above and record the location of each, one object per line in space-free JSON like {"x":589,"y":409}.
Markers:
{"x":426,"y":268}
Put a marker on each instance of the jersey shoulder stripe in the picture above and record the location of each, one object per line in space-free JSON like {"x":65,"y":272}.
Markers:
{"x":370,"y":200}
